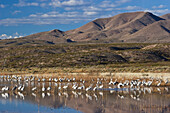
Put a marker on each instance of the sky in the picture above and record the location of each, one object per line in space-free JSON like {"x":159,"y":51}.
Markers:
{"x":24,"y":17}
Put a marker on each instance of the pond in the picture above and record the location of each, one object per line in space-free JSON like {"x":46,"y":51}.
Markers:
{"x":82,"y":95}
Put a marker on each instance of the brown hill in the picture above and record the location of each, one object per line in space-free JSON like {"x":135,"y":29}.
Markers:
{"x":166,"y":16}
{"x":53,"y":36}
{"x":114,"y":28}
{"x":136,"y":27}
{"x":156,"y":32}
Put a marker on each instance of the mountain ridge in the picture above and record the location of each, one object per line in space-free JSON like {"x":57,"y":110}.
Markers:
{"x":132,"y":27}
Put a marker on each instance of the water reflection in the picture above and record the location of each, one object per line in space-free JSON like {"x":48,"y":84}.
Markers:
{"x":89,"y":95}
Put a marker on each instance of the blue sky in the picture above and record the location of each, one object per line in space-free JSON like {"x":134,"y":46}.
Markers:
{"x":24,"y":17}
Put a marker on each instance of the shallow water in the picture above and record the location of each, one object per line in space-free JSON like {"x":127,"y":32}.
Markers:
{"x":104,"y":100}
{"x":18,"y":106}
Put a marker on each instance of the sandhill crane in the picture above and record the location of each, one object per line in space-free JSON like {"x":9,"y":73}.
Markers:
{"x":159,"y":83}
{"x":90,"y":87}
{"x":34,"y":88}
{"x":14,"y":88}
{"x":49,"y":88}
{"x":5,"y":88}
{"x":65,"y":87}
{"x":95,"y":88}
{"x":43,"y":88}
{"x":75,"y":85}
{"x":111,"y":82}
{"x":22,"y":88}
{"x":81,"y":87}
{"x":101,"y":86}
{"x":59,"y":87}
{"x":120,"y":85}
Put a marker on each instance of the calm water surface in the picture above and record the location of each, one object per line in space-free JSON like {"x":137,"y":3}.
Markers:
{"x":107,"y":99}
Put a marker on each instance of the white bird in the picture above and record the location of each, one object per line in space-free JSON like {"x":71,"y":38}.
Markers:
{"x":111,"y":82}
{"x":43,"y":79}
{"x":126,"y":83}
{"x":43,"y":88}
{"x":14,"y":88}
{"x":158,"y":89}
{"x":19,"y":87}
{"x":66,"y":94}
{"x":65,"y":87}
{"x":159,"y":83}
{"x":149,"y":90}
{"x":74,"y":79}
{"x":149,"y":83}
{"x":90,"y":87}
{"x":50,"y":79}
{"x":120,"y":85}
{"x":114,"y":83}
{"x":59,"y":87}
{"x":22,"y":89}
{"x":166,"y":81}
{"x":95,"y":88}
{"x":32,"y":79}
{"x":5,"y":88}
{"x":55,"y":79}
{"x":43,"y":95}
{"x":49,"y":88}
{"x":101,"y":86}
{"x":34,"y":88}
{"x":75,"y":86}
{"x":81,"y":87}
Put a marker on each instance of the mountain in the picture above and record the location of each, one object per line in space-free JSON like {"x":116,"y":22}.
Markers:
{"x":153,"y":33}
{"x":166,"y":16}
{"x":136,"y":27}
{"x":118,"y":28}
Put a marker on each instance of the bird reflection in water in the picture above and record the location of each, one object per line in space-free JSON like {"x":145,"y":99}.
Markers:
{"x":93,"y":93}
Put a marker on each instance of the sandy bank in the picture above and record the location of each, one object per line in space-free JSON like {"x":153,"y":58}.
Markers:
{"x":162,"y":76}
